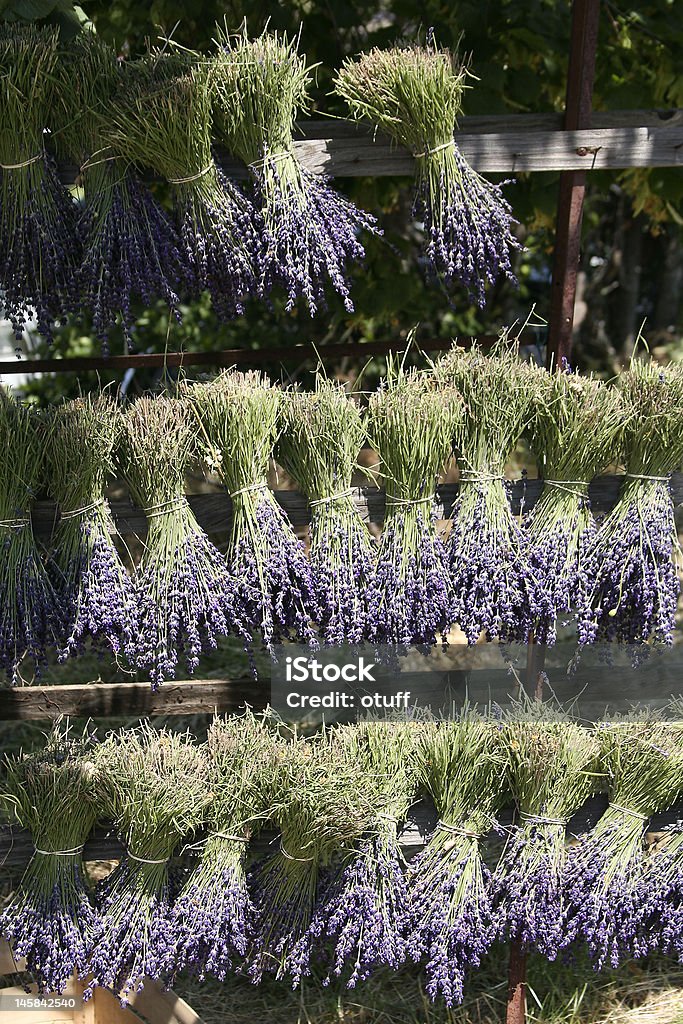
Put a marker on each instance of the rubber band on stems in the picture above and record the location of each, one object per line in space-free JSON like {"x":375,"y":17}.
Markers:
{"x":299,"y":860}
{"x":24,"y":163}
{"x":247,"y":489}
{"x":540,"y":819}
{"x":144,"y":860}
{"x":164,"y":508}
{"x":436,"y":149}
{"x":275,"y":158}
{"x":391,"y":500}
{"x":331,"y":497}
{"x":471,"y":476}
{"x":75,"y":512}
{"x":192,"y":177}
{"x":568,"y":486}
{"x":628,"y":811}
{"x":457,"y":830}
{"x":14,"y":524}
{"x":60,"y":853}
{"x":388,"y":817}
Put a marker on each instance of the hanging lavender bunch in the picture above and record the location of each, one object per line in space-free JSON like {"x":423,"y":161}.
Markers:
{"x":311,"y":232}
{"x":322,"y":433}
{"x":39,"y":244}
{"x":495,"y":591}
{"x":185,"y":594}
{"x":30,"y":617}
{"x":452,"y":921}
{"x":575,"y":434}
{"x":411,"y":426}
{"x":662,"y":909}
{"x":161,"y":118}
{"x":95,"y":592}
{"x":52,"y":793}
{"x":131,"y":249}
{"x":553,"y":767}
{"x":324,"y":806}
{"x":605,"y":877}
{"x":274,"y":598}
{"x":632,"y":562}
{"x":214,"y":917}
{"x":364,"y":912}
{"x":414,"y":94}
{"x":154,"y":788}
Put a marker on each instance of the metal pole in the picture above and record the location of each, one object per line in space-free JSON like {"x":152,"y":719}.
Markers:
{"x":580,"y":77}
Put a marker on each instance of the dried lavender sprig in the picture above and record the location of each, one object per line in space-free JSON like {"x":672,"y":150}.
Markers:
{"x":324,"y":807}
{"x":365,"y":910}
{"x":161,"y":118}
{"x":495,"y":591}
{"x":131,"y":246}
{"x":575,"y":433}
{"x":30,"y":616}
{"x":50,"y":921}
{"x":186,"y":596}
{"x":239,"y":414}
{"x":414,"y":94}
{"x":311,"y":232}
{"x":553,"y":767}
{"x":214,"y":916}
{"x":39,"y":241}
{"x":322,"y":434}
{"x":453,"y":921}
{"x":632,"y":561}
{"x":95,"y":591}
{"x":605,"y":871}
{"x":411,"y":427}
{"x":155,"y":791}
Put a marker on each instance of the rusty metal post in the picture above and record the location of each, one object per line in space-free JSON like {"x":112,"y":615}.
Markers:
{"x":580,"y":77}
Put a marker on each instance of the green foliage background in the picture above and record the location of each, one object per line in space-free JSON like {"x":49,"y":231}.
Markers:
{"x":633,"y":246}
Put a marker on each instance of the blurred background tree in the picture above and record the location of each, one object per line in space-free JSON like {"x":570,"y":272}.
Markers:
{"x":632,"y":260}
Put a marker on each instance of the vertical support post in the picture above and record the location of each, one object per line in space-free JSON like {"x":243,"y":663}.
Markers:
{"x":580,"y":77}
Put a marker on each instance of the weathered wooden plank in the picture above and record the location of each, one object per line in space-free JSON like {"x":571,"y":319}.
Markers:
{"x":107,"y":700}
{"x":214,"y":511}
{"x":496,"y":143}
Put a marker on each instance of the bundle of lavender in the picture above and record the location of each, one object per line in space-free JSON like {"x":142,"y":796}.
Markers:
{"x":495,"y":591}
{"x":52,"y":793}
{"x":411,"y":427}
{"x":39,"y":247}
{"x":452,"y":921}
{"x":311,"y":232}
{"x":575,"y":434}
{"x":553,"y":767}
{"x":324,"y":805}
{"x":238,"y":413}
{"x":605,"y":877}
{"x":154,"y":788}
{"x":131,"y":249}
{"x":214,"y":916}
{"x":161,"y":118}
{"x":365,"y":911}
{"x":632,"y":561}
{"x":185,"y":594}
{"x":95,"y":592}
{"x":322,"y":434}
{"x":414,"y":94}
{"x":30,"y":617}
{"x":662,"y":909}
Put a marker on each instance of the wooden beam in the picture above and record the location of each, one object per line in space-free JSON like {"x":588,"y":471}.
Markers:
{"x":214,"y":510}
{"x":505,"y":143}
{"x":236,"y":356}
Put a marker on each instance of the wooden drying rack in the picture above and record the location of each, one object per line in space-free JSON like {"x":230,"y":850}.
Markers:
{"x":574,"y":143}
